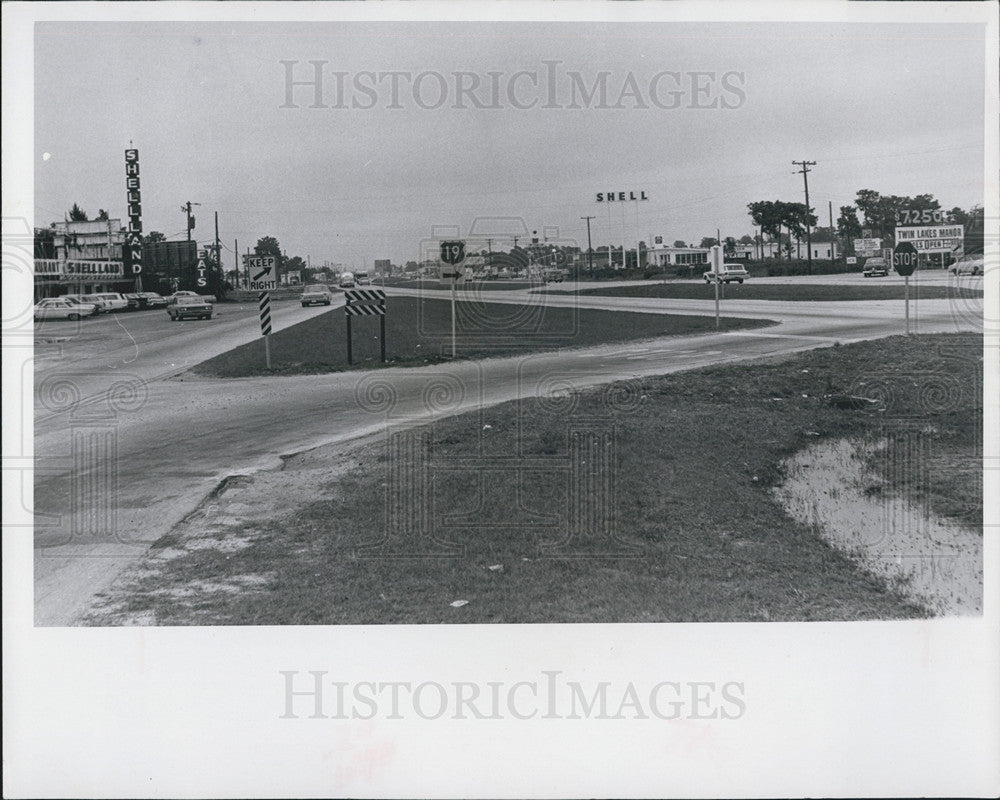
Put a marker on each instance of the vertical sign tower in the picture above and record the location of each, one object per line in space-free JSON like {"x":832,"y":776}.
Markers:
{"x":132,"y":251}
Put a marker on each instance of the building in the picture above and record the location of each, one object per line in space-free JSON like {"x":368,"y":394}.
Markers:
{"x":677,"y":256}
{"x":85,"y":257}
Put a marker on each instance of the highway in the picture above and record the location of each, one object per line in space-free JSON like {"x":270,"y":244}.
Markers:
{"x":126,"y":445}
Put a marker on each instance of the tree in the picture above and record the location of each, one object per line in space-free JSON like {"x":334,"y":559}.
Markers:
{"x":848,"y":225}
{"x":867,"y":202}
{"x":769,"y":216}
{"x":708,"y":241}
{"x":154,"y":236}
{"x":679,"y":243}
{"x":796,"y":217}
{"x":729,"y":246}
{"x":77,"y":214}
{"x":102,"y":215}
{"x":267,"y":246}
{"x":746,"y":238}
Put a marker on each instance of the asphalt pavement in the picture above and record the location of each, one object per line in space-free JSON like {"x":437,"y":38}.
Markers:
{"x":132,"y":445}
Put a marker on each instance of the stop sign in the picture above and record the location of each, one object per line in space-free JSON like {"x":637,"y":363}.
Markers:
{"x":904,"y":259}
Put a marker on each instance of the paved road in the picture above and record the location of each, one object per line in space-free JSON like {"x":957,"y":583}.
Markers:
{"x":163,"y":450}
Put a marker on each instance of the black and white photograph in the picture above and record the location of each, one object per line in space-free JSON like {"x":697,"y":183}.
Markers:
{"x":501,"y":399}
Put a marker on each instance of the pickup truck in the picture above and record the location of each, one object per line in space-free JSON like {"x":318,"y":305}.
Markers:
{"x":729,"y":273}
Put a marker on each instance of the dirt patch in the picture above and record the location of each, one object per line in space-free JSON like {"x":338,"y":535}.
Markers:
{"x":833,"y":487}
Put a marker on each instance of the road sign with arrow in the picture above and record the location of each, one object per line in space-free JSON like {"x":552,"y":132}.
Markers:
{"x":263,"y":272}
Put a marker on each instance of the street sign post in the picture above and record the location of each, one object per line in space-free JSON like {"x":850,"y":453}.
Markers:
{"x":263,"y":272}
{"x":904,"y":261}
{"x":453,"y":253}
{"x":716,"y":257}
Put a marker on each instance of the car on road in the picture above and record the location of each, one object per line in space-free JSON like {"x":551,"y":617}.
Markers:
{"x":316,"y":293}
{"x":728,"y":274}
{"x":346,"y":280}
{"x":875,"y":268}
{"x":190,"y":307}
{"x":61,"y":308}
{"x":970,"y":265}
{"x":362,"y":279}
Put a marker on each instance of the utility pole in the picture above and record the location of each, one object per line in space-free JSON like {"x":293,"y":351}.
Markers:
{"x":489,"y":257}
{"x":833,"y":235}
{"x":590,"y":250}
{"x":236,"y":263}
{"x":805,"y":179}
{"x":186,"y":208}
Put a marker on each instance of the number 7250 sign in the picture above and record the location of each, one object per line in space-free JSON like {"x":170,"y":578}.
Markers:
{"x":924,"y":216}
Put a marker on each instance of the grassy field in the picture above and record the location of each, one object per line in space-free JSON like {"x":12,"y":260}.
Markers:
{"x":418,"y":332}
{"x":774,"y":291}
{"x":697,"y":535}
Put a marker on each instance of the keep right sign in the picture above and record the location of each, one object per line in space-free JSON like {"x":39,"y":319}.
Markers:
{"x":904,"y":259}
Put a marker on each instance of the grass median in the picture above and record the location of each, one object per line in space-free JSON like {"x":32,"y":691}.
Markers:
{"x":418,"y":332}
{"x":644,"y":501}
{"x":778,"y":291}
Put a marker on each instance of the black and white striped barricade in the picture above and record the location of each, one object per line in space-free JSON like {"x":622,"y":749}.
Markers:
{"x":264,"y":304}
{"x":364,"y":302}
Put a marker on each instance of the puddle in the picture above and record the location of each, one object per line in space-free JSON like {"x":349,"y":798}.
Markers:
{"x":930,"y":560}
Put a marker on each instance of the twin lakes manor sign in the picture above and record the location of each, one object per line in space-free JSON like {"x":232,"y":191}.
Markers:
{"x":132,"y":251}
{"x":935,"y":239}
{"x":620,"y":197}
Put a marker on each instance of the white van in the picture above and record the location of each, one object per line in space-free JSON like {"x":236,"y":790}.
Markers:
{"x":347,"y":280}
{"x":362,"y":279}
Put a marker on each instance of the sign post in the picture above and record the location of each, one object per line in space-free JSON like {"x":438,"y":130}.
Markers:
{"x":263,"y":272}
{"x":904,"y":261}
{"x":453,"y":253}
{"x":716,"y":256}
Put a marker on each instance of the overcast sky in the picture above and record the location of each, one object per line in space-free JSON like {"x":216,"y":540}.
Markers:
{"x":895,"y":108}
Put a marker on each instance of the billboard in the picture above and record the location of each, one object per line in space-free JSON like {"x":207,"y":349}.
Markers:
{"x":933,"y":239}
{"x":867,"y":247}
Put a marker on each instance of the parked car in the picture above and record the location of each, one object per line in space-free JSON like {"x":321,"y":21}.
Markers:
{"x":875,"y":268}
{"x":86,"y":299}
{"x":154,"y":300}
{"x":135,"y":302}
{"x":144,"y":300}
{"x":346,"y":280}
{"x":95,"y":299}
{"x":970,"y":265}
{"x":113,"y":301}
{"x":172,"y":298}
{"x":194,"y":307}
{"x":61,"y":308}
{"x":318,"y":293}
{"x":728,"y":274}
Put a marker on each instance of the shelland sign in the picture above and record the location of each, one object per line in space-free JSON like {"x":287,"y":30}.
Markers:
{"x":133,"y":234}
